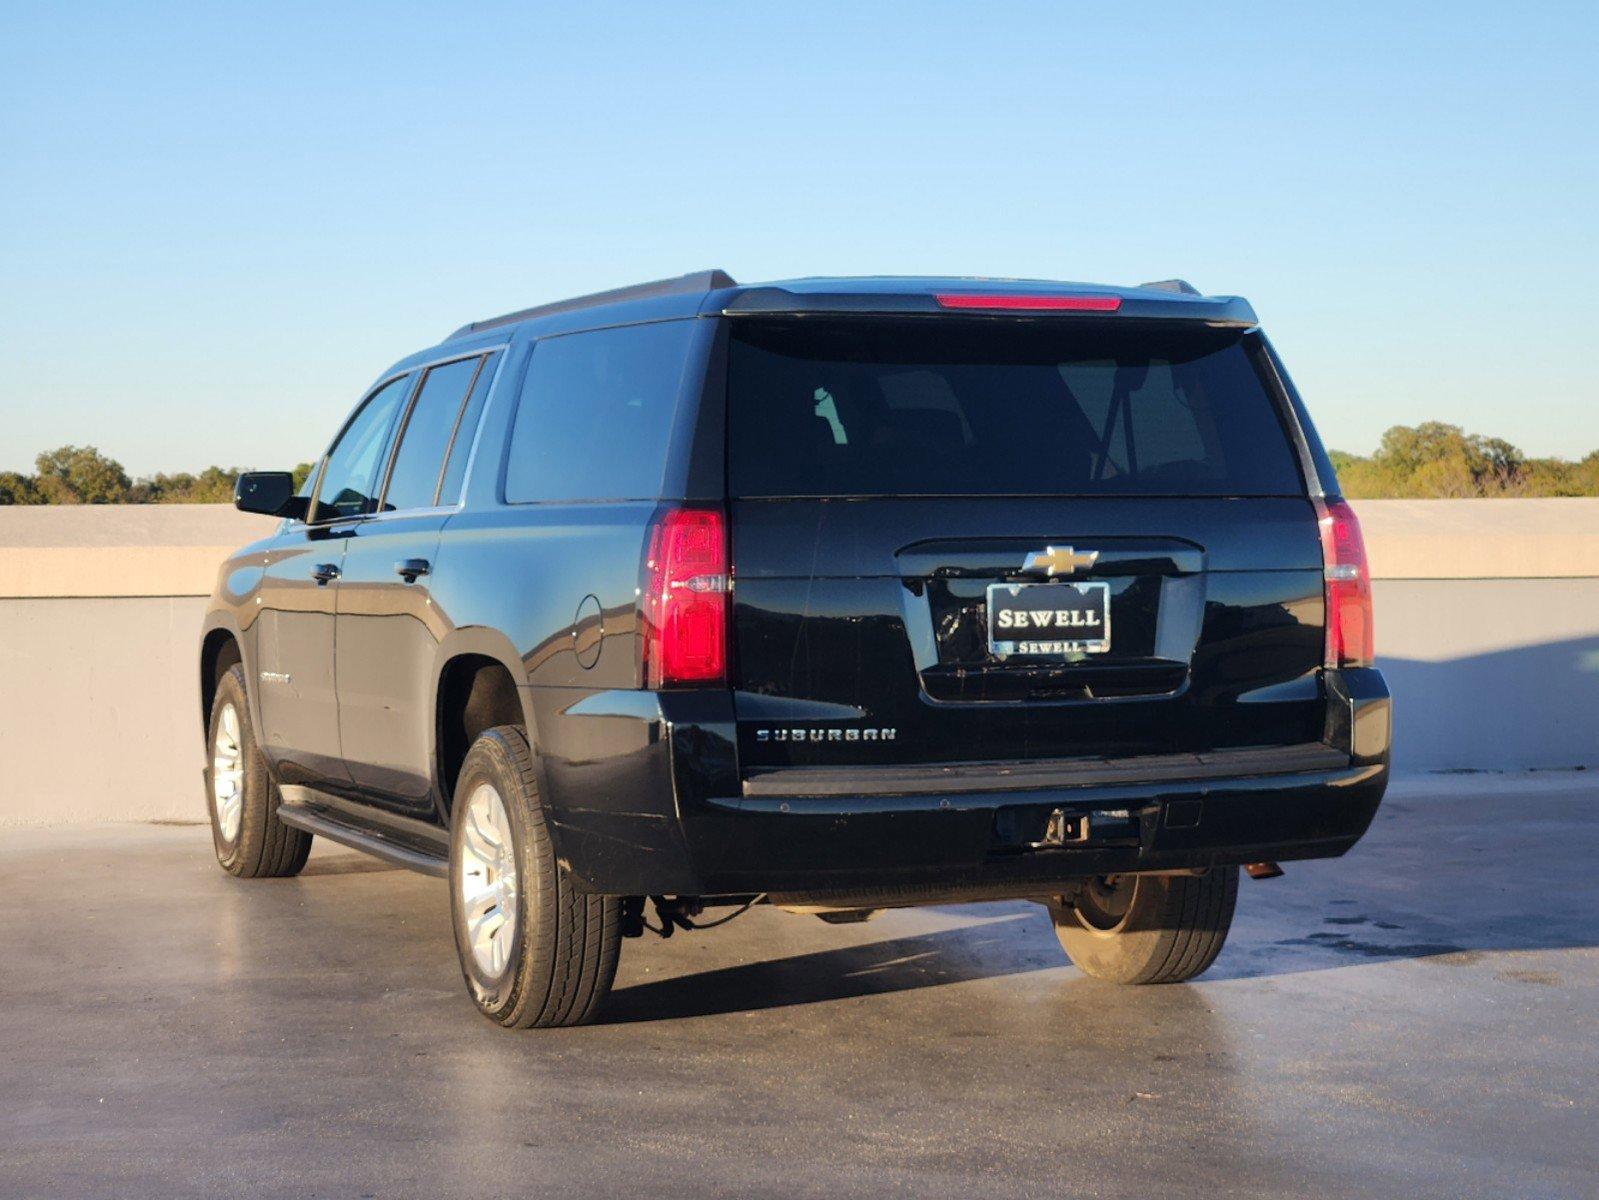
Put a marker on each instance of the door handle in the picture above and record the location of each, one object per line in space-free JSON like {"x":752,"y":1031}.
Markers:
{"x":325,"y":573}
{"x":409,"y":569}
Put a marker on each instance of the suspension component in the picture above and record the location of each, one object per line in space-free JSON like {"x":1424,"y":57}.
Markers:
{"x":677,"y":912}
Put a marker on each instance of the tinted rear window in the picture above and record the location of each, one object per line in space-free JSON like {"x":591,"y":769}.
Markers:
{"x":947,"y":407}
{"x":596,"y":414}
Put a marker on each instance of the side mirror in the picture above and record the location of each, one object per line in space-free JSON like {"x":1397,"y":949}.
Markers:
{"x":270,"y":493}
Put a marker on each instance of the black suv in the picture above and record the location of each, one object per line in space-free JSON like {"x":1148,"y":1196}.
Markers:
{"x":833,"y":594}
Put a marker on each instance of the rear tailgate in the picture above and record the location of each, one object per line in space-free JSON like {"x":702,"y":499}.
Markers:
{"x":1003,"y":541}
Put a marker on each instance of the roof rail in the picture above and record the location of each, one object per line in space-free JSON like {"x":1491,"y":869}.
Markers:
{"x":1180,"y":286}
{"x":698,"y":281}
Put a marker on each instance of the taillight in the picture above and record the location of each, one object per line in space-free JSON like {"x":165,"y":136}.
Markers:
{"x":1347,"y":586}
{"x":683,"y":606}
{"x":1030,"y":303}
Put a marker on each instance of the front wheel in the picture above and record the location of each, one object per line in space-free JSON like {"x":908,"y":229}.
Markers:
{"x":1147,"y":928}
{"x":535,"y":951}
{"x":250,"y":841}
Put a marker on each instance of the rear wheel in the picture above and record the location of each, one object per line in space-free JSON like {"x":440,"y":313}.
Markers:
{"x":535,"y":951}
{"x":250,"y":841}
{"x":1147,"y":928}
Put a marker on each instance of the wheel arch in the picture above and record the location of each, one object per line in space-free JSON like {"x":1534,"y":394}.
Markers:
{"x":221,"y":646}
{"x":479,"y":683}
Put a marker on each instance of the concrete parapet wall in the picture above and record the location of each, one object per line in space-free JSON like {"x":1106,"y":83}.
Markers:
{"x":1481,"y":539}
{"x":50,"y":551}
{"x":1487,"y":626}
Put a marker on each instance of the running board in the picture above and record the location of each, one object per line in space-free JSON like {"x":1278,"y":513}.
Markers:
{"x":325,"y":824}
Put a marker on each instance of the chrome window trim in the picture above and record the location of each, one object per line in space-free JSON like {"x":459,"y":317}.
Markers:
{"x":417,"y":369}
{"x":455,"y":429}
{"x":398,"y":513}
{"x":405,"y":425}
{"x":482,"y":421}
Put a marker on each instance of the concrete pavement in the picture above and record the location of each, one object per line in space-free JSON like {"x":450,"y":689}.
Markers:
{"x":1419,"y":1019}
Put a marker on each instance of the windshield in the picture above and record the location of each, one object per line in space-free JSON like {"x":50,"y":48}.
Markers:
{"x":943,"y":407}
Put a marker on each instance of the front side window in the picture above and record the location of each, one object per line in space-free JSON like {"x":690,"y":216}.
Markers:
{"x":826,"y":407}
{"x":596,"y":414}
{"x":350,"y":475}
{"x":414,"y":478}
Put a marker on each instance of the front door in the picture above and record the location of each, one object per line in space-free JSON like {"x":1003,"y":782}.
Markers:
{"x":294,"y":655}
{"x":296,"y":630}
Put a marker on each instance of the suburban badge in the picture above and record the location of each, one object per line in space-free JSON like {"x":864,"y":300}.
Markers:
{"x":825,"y":735}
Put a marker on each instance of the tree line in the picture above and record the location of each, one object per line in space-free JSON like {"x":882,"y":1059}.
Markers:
{"x":1427,"y":461}
{"x":1444,"y":462}
{"x":83,"y":475}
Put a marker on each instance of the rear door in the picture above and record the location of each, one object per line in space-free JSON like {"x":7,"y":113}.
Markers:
{"x":1004,"y":539}
{"x":388,"y":628}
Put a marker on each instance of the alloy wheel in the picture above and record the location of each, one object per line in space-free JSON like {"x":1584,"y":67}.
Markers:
{"x":488,"y":880}
{"x":227,"y":774}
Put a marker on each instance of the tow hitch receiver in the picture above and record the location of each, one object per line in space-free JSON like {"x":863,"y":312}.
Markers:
{"x":1027,"y":828}
{"x":1063,"y":829}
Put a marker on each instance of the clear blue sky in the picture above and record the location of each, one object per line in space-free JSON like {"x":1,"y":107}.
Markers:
{"x":219,"y":222}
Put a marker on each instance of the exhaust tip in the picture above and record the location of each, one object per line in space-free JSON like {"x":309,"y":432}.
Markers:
{"x":1263,"y":870}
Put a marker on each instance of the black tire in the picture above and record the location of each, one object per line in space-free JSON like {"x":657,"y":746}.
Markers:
{"x":262,"y":847}
{"x":1147,"y":928}
{"x":561,"y":958}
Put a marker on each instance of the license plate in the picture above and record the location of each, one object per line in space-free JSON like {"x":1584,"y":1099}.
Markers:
{"x":1048,"y":620}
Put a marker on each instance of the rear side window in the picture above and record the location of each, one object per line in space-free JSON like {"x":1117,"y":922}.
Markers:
{"x":466,"y":433}
{"x":596,"y":413}
{"x":414,"y":478}
{"x":949,"y":407}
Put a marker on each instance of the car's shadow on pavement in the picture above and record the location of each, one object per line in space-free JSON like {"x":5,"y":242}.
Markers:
{"x":1328,"y":916}
{"x":996,"y":948}
{"x":1436,"y":879}
{"x":1349,"y":937}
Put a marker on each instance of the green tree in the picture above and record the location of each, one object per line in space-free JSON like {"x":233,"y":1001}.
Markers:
{"x":80,"y":475}
{"x":214,"y":485}
{"x":1442,"y":460}
{"x":1362,"y":479}
{"x":1450,"y":477}
{"x":156,"y":489}
{"x":1437,"y":460}
{"x":1343,"y":460}
{"x":18,"y":489}
{"x":1586,"y":474}
{"x":301,"y":473}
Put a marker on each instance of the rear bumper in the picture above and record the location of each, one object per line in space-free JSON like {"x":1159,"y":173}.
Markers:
{"x":979,"y":838}
{"x":981,"y":843}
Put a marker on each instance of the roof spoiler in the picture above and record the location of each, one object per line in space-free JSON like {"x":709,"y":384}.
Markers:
{"x":1222,"y":311}
{"x":698,"y":282}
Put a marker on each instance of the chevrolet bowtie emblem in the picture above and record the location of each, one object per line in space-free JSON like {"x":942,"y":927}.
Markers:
{"x":1059,"y":560}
